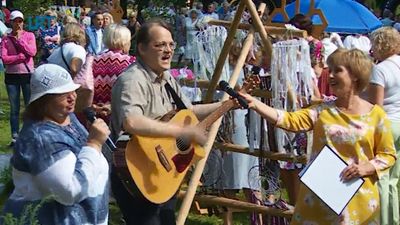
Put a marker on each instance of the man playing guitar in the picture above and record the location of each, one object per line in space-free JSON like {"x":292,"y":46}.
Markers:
{"x":139,"y":100}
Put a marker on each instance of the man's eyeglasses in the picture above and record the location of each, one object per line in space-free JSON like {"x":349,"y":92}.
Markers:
{"x":163,"y":46}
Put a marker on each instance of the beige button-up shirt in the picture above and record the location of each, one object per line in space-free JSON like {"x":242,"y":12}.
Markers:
{"x":138,"y":91}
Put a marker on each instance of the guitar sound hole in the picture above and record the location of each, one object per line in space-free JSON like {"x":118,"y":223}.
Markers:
{"x":182,"y":144}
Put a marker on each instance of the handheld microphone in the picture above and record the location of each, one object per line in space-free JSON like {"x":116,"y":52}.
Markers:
{"x":225,"y":87}
{"x":91,"y":117}
{"x":256,"y":70}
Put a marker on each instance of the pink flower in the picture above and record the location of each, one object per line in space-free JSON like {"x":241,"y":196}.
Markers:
{"x":338,"y":133}
{"x":174,"y":72}
{"x":182,"y":73}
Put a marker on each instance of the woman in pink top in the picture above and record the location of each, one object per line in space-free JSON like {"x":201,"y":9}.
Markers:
{"x":17,"y":51}
{"x":109,"y":65}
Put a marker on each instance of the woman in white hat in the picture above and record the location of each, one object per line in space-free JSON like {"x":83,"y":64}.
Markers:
{"x":56,"y":162}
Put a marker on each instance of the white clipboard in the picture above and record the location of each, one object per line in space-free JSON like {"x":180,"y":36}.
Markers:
{"x":322,"y":176}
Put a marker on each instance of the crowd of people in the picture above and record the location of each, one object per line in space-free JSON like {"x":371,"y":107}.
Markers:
{"x":122,"y":72}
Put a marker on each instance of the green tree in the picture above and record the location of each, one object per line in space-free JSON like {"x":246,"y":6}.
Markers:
{"x":176,"y":3}
{"x":32,"y":7}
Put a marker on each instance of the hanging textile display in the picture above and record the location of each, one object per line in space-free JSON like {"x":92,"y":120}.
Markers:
{"x":291,"y":77}
{"x":208,"y":43}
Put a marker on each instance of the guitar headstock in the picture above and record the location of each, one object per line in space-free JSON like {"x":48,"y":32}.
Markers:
{"x":251,"y":82}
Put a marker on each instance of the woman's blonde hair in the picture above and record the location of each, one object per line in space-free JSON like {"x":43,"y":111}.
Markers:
{"x":73,"y":33}
{"x":356,"y":62}
{"x":117,"y":37}
{"x":51,"y":13}
{"x":385,"y":42}
{"x":69,"y":19}
{"x":108,"y":15}
{"x":133,"y":14}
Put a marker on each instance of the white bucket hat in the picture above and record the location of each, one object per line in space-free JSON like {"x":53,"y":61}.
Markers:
{"x":16,"y":14}
{"x":50,"y":79}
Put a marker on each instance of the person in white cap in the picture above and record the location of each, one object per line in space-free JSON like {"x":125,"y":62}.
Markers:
{"x":17,"y":51}
{"x":56,"y":161}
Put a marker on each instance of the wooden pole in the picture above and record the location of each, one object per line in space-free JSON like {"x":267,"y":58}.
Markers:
{"x":235,"y":204}
{"x":270,"y":29}
{"x":224,"y":53}
{"x":204,"y":84}
{"x":266,"y":43}
{"x":265,"y":154}
{"x":194,"y":180}
{"x":312,"y":5}
{"x":297,"y":6}
{"x":259,"y":27}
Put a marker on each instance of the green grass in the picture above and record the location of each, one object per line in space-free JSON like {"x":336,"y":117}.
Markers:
{"x":4,"y":118}
{"x":238,"y":219}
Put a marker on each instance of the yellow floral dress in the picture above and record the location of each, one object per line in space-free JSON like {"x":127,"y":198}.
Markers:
{"x":357,"y":138}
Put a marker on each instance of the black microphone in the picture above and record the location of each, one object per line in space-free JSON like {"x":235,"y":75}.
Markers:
{"x":91,"y":116}
{"x":256,"y":70}
{"x":225,"y":87}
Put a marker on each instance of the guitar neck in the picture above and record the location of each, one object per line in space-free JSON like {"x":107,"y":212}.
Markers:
{"x":210,"y":119}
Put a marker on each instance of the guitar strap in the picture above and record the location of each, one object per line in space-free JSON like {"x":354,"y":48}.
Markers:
{"x":178,"y":101}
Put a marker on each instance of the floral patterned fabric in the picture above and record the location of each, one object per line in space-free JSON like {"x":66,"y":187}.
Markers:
{"x":356,"y":138}
{"x":47,"y":38}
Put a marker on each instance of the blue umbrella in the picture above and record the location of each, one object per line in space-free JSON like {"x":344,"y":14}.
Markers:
{"x":343,"y":16}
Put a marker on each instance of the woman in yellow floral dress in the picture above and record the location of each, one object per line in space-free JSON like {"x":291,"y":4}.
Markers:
{"x":359,"y":131}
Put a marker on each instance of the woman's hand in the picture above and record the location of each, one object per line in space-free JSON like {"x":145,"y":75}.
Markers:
{"x":102,"y":109}
{"x":98,"y":134}
{"x":248,"y":98}
{"x":356,"y":170}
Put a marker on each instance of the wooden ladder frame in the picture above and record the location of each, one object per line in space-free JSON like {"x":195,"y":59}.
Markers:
{"x":256,"y":26}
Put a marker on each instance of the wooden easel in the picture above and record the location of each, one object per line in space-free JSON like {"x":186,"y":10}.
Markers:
{"x":257,"y":27}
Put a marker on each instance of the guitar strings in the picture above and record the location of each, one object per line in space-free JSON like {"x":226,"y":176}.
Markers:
{"x":182,"y":144}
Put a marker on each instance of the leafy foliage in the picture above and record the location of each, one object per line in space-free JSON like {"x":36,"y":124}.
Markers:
{"x":161,"y":3}
{"x":176,"y":3}
{"x":28,"y":215}
{"x":5,"y":175}
{"x":6,"y":180}
{"x":32,"y":7}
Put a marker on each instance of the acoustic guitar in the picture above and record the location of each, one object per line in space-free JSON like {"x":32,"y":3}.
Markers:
{"x":158,"y":165}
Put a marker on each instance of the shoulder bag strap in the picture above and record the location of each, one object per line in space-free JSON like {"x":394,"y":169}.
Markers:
{"x":178,"y":101}
{"x":63,"y":58}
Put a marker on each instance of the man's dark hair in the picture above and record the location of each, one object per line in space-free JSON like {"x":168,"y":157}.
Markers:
{"x":302,"y":22}
{"x":143,"y":35}
{"x":94,"y":16}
